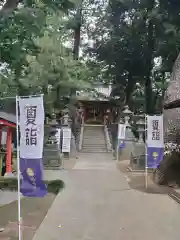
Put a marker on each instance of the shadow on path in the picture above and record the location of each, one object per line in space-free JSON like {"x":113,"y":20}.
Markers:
{"x":33,"y":211}
{"x":138,"y":183}
{"x":136,"y":180}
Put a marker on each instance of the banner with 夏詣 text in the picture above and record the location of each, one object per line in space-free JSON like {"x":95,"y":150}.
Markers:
{"x":122,"y":131}
{"x":31,"y":124}
{"x":66,"y":141}
{"x":155,"y":141}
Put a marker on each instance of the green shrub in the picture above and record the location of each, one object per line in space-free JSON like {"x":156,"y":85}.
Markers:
{"x":11,"y":184}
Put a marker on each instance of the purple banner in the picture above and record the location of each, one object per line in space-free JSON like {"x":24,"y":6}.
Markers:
{"x":32,"y":184}
{"x":154,"y":156}
{"x":122,"y":144}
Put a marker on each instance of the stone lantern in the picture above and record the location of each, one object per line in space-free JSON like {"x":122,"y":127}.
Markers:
{"x":141,"y":127}
{"x":138,"y":153}
{"x":127,"y":115}
{"x":66,"y":120}
{"x":125,"y":152}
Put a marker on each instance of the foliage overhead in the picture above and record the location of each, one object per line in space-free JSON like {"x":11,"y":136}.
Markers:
{"x":33,"y":54}
{"x":129,"y":44}
{"x":129,"y":38}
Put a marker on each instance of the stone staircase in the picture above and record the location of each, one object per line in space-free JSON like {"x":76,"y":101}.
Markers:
{"x":94,"y":139}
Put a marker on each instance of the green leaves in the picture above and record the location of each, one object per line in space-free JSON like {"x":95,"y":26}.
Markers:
{"x":53,"y":70}
{"x":127,"y":39}
{"x":32,"y":46}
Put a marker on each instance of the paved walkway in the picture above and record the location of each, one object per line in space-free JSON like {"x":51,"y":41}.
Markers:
{"x":97,"y":204}
{"x":7,"y":197}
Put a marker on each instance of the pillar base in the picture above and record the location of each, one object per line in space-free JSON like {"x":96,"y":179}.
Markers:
{"x":9,"y":175}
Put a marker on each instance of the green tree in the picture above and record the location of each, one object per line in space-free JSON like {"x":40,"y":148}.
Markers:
{"x":32,"y":49}
{"x":53,"y":71}
{"x":129,"y":38}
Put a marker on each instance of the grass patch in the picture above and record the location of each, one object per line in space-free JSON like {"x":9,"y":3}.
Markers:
{"x":11,"y":184}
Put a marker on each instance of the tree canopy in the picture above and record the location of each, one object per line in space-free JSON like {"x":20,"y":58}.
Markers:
{"x":33,"y":53}
{"x":135,"y":44}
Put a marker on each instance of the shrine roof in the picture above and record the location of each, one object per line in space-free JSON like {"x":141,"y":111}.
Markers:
{"x":98,"y":102}
{"x":8,"y":117}
{"x":94,"y":101}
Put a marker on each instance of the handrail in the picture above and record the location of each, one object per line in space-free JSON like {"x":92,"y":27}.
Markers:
{"x":108,"y":141}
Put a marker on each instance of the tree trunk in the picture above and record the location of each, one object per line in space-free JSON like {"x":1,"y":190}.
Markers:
{"x":149,"y":59}
{"x":77,"y":33}
{"x":77,"y":37}
{"x":129,"y":89}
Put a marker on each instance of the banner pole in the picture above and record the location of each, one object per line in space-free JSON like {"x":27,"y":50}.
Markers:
{"x":117,"y":150}
{"x":60,"y":148}
{"x":146,"y":157}
{"x":18,"y":169}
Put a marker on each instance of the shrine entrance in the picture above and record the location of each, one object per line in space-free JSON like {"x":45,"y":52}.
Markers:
{"x":95,"y":112}
{"x":7,"y":135}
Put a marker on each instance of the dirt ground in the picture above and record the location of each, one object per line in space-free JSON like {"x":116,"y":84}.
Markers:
{"x":33,"y":211}
{"x":136,"y":180}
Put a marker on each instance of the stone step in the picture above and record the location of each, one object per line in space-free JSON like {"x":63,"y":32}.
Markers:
{"x":93,"y":130}
{"x":93,"y":135}
{"x":93,"y":145}
{"x":96,"y":149}
{"x":93,"y":151}
{"x":93,"y":141}
{"x":95,"y":127}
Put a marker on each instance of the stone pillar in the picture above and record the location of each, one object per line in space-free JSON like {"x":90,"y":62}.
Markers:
{"x":0,"y":135}
{"x":9,"y":151}
{"x":138,"y":153}
{"x":125,"y":153}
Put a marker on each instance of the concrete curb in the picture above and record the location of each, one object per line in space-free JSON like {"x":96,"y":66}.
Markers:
{"x":174,"y":195}
{"x":138,"y":170}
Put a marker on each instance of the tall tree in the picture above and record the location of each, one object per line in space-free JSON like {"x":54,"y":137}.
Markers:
{"x":129,"y":39}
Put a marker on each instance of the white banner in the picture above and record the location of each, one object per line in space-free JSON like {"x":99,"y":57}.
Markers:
{"x":155,"y":136}
{"x":66,"y":143}
{"x":31,"y":127}
{"x":121,"y":131}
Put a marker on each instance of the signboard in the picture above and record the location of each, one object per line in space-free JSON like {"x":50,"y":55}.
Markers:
{"x":31,"y":123}
{"x":155,"y":141}
{"x":31,"y":127}
{"x":121,"y":131}
{"x":66,"y":142}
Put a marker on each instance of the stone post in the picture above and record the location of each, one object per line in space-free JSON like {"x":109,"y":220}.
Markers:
{"x":118,"y":150}
{"x":66,"y":120}
{"x":127,"y":113}
{"x":125,"y":153}
{"x":138,"y":153}
{"x":66,"y":124}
